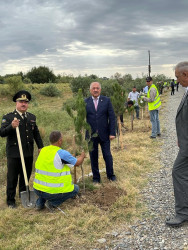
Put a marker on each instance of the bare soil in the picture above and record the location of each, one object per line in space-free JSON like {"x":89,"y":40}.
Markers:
{"x":102,"y":197}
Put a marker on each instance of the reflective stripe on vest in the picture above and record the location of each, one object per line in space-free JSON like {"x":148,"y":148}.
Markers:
{"x":51,"y":173}
{"x":48,"y":178}
{"x":157,"y":101}
{"x":48,"y":184}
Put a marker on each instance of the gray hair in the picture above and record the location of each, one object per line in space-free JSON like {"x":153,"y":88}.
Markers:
{"x":93,"y":83}
{"x":182,"y":66}
{"x":55,"y":136}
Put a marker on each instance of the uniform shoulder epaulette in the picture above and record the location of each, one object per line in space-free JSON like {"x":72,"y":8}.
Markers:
{"x":10,"y":113}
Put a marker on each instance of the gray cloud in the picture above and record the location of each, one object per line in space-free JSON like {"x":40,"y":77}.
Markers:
{"x":100,"y":37}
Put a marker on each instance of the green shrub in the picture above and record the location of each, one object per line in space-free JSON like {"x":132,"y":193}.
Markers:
{"x":4,"y":91}
{"x":14,"y":84}
{"x":81,"y":82}
{"x":27,"y":80}
{"x":71,"y":102}
{"x":50,"y":90}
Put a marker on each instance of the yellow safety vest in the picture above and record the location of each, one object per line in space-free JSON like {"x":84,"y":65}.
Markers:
{"x":157,"y":102}
{"x":49,"y":179}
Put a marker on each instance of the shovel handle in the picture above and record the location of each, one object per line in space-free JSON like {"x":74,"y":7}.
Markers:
{"x":21,"y":155}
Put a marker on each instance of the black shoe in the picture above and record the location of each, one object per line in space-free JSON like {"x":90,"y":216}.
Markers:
{"x":39,"y":207}
{"x":50,"y":206}
{"x":175,"y":221}
{"x":112,"y":178}
{"x":152,"y":137}
{"x":159,"y":135}
{"x":12,"y":205}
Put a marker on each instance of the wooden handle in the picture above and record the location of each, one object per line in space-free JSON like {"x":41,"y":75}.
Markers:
{"x":21,"y":155}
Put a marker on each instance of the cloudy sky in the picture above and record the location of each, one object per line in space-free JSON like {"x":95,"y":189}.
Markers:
{"x":99,"y":37}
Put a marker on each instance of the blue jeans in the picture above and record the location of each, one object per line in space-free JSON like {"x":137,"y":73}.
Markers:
{"x":54,"y":199}
{"x":137,"y":111}
{"x":154,"y":118}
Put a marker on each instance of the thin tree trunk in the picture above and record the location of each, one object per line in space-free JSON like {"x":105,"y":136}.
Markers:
{"x":132,"y":118}
{"x":142,"y":113}
{"x":74,"y":149}
{"x":120,"y":133}
{"x":83,"y":178}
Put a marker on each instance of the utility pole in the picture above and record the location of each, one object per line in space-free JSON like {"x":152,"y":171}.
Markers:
{"x":149,"y":66}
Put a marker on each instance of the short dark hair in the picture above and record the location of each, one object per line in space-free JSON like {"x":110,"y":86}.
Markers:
{"x":55,"y":136}
{"x":130,"y":102}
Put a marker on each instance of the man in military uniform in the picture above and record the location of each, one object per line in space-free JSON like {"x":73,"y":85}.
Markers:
{"x":28,"y":133}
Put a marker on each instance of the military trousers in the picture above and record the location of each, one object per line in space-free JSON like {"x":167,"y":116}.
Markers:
{"x":15,"y":173}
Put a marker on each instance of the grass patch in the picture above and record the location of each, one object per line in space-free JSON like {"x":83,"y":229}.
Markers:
{"x":96,"y":211}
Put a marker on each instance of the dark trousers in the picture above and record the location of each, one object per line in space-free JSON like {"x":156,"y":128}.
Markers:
{"x":14,"y":172}
{"x":172,"y":90}
{"x":107,"y":156}
{"x":54,"y":199}
{"x":180,"y":182}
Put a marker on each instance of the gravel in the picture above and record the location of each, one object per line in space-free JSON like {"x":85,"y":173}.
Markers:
{"x":152,"y":233}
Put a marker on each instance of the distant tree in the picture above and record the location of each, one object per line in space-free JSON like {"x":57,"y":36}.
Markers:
{"x":93,"y":77}
{"x":107,"y":87}
{"x":1,"y":79}
{"x":127,"y":78}
{"x":26,"y":80}
{"x":64,"y":78}
{"x":81,"y":82}
{"x":42,"y":74}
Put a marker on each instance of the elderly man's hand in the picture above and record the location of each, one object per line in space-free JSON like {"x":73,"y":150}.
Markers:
{"x":15,"y":123}
{"x":111,"y":137}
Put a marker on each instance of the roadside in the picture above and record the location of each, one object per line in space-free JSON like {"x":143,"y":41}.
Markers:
{"x":151,"y":232}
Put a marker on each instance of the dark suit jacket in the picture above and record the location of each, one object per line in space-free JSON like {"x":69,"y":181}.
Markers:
{"x":182,"y":125}
{"x":28,"y":134}
{"x":102,"y":120}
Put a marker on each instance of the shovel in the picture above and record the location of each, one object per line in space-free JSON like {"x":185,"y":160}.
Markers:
{"x":28,"y":197}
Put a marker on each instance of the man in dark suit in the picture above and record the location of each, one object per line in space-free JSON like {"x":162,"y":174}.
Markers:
{"x":101,"y":117}
{"x":28,"y":133}
{"x":180,"y":168}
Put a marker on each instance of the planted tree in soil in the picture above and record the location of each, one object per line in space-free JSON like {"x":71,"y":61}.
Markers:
{"x":142,"y":104}
{"x":118,"y":102}
{"x":131,"y":113}
{"x":81,"y":126}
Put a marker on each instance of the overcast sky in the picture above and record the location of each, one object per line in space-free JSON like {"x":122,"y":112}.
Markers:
{"x":99,"y":37}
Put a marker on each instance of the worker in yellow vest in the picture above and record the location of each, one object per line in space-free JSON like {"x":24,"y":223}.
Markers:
{"x":154,"y":104}
{"x":53,"y":180}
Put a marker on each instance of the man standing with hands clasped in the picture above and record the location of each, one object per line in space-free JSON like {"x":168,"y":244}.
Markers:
{"x":28,"y":133}
{"x":101,"y":118}
{"x":180,"y":168}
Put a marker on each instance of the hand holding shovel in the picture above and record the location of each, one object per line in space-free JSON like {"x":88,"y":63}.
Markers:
{"x":28,"y":197}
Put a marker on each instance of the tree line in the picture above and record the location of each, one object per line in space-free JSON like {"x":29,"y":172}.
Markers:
{"x":43,"y":74}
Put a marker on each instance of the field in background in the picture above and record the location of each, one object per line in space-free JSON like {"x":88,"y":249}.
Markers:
{"x":96,"y":211}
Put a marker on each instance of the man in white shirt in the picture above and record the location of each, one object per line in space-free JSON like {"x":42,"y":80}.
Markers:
{"x":133,"y":96}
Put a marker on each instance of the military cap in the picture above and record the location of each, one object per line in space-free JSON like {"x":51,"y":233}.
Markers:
{"x":22,"y":95}
{"x":148,"y":79}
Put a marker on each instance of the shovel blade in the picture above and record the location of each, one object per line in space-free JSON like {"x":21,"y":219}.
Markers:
{"x":28,"y":199}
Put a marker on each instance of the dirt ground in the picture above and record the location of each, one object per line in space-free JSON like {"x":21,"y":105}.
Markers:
{"x":102,"y":197}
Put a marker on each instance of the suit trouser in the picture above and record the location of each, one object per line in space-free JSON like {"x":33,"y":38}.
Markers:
{"x":14,"y":172}
{"x":180,"y":182}
{"x":107,"y":156}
